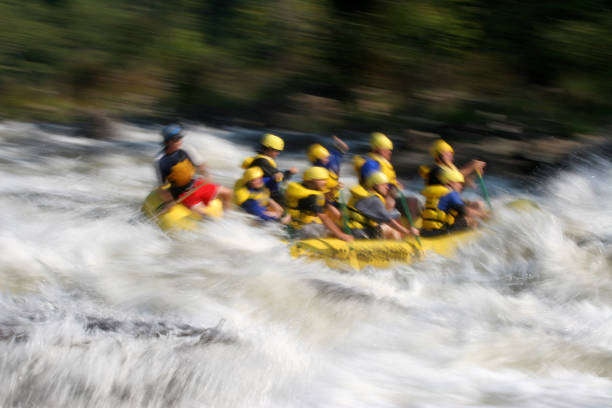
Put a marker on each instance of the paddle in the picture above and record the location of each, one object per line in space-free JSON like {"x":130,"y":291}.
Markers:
{"x":343,"y":211}
{"x":408,"y":214}
{"x":180,"y":200}
{"x":484,"y":189}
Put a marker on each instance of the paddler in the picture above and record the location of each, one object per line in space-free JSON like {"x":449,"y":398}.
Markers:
{"x":445,"y":211}
{"x":330,"y":159}
{"x":178,"y":168}
{"x":379,"y":159}
{"x":368,"y":215}
{"x":444,"y":156}
{"x":307,"y":206}
{"x":251,"y":194}
{"x":270,"y":147}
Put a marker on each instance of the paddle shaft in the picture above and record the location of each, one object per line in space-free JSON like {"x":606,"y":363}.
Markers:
{"x":345,"y":226}
{"x":485,"y":193}
{"x":180,"y":200}
{"x":408,"y":214}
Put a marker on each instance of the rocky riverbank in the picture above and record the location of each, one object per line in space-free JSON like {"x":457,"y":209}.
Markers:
{"x":507,"y":154}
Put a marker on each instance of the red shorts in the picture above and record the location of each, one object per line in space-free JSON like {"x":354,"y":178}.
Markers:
{"x":200,"y":192}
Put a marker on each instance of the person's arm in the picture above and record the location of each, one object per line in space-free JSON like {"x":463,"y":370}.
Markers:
{"x":268,"y":170}
{"x":159,"y":172}
{"x":288,"y":173}
{"x":274,"y":210}
{"x":196,"y":160}
{"x":309,"y":204}
{"x":375,"y":210}
{"x":473,"y":166}
{"x":335,"y":230}
{"x":163,"y":186}
{"x":403,"y":230}
{"x":340,"y":145}
{"x":252,"y":207}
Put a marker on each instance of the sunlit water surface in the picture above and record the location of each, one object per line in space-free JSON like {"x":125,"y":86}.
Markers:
{"x":98,"y":307}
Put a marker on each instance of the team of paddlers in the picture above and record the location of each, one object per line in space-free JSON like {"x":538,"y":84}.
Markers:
{"x":314,"y":207}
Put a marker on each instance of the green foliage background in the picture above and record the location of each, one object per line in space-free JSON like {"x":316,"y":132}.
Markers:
{"x":309,"y":64}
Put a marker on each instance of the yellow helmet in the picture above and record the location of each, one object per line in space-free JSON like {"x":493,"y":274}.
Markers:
{"x":447,"y":175}
{"x":380,"y":141}
{"x":252,"y":173}
{"x":272,"y":141}
{"x":439,"y":147}
{"x":377,"y":177}
{"x":316,"y":173}
{"x":317,"y":152}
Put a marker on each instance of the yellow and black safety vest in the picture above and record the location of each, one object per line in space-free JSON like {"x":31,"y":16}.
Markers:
{"x":176,"y":169}
{"x":435,"y":219}
{"x":296,"y":192}
{"x":248,"y":162}
{"x":243,"y":193}
{"x":385,"y":166}
{"x":332,"y":185}
{"x":358,"y":220}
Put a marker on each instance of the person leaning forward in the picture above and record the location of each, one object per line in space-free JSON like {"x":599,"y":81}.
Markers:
{"x":251,"y":194}
{"x":379,"y":159}
{"x":445,"y":211}
{"x":331,"y":159}
{"x":271,"y":146}
{"x":177,"y":169}
{"x":307,"y":206}
{"x":368,"y":215}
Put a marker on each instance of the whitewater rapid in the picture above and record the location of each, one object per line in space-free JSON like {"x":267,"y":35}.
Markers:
{"x":99,"y":308}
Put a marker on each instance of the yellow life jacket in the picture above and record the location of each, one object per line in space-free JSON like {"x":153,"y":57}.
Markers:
{"x":243,"y":193}
{"x":424,"y":172}
{"x":357,"y":220}
{"x":296,"y":192}
{"x":248,"y":162}
{"x":333,"y":185}
{"x":181,"y":173}
{"x":434,"y":218}
{"x":385,"y":166}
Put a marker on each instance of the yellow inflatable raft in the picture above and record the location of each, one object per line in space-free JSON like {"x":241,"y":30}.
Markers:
{"x":179,"y":217}
{"x":379,"y":253}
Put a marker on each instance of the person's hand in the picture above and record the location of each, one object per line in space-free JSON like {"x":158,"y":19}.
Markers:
{"x":286,"y":219}
{"x":414,"y":231}
{"x":293,"y":170}
{"x":478,"y":165}
{"x":347,"y":237}
{"x":278,"y":177}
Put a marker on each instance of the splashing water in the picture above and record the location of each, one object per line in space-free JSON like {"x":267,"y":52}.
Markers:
{"x":100,"y":308}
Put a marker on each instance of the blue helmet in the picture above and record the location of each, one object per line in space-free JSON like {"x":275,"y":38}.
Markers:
{"x":172,"y":132}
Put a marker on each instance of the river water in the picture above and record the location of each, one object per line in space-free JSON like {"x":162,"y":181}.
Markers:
{"x":99,"y":308}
